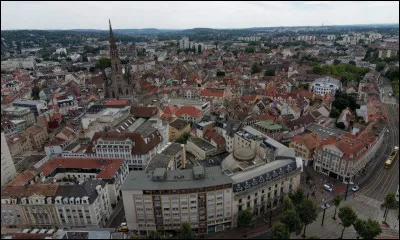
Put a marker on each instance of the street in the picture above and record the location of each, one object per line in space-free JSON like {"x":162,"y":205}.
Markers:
{"x":379,"y":181}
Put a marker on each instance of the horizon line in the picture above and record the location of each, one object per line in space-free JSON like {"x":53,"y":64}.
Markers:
{"x":181,"y":29}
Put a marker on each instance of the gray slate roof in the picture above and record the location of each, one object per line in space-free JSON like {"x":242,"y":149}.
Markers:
{"x":140,"y":180}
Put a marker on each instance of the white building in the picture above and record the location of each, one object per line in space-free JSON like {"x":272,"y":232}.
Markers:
{"x":326,"y":85}
{"x":331,"y":37}
{"x":344,"y":158}
{"x":55,"y":205}
{"x":184,"y":43}
{"x":61,"y":50}
{"x":8,"y":171}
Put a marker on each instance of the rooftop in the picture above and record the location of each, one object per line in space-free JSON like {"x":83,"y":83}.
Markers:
{"x":175,"y":180}
{"x":107,"y":167}
{"x":201,"y":143}
{"x":269,"y":125}
{"x":163,"y":157}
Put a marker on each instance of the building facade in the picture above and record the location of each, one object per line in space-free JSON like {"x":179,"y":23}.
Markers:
{"x":326,"y":85}
{"x":345,"y":158}
{"x":8,"y":171}
{"x":20,"y":113}
{"x":162,"y":200}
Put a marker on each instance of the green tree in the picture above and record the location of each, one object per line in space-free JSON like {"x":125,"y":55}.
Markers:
{"x":249,"y":50}
{"x":389,"y":203}
{"x":367,"y":229}
{"x":154,"y":235}
{"x":347,"y":216}
{"x":287,"y":204}
{"x":103,"y":63}
{"x":340,"y":125}
{"x":199,"y":50}
{"x":307,"y":212}
{"x":380,"y":66}
{"x":292,"y":221}
{"x":255,"y":68}
{"x":185,"y":232}
{"x":183,"y":138}
{"x":270,"y":72}
{"x":245,"y":219}
{"x":297,"y":196}
{"x":279,"y":231}
{"x":336,"y":201}
{"x":35,"y":92}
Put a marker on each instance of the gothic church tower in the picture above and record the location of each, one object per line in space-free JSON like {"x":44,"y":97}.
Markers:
{"x":119,"y":86}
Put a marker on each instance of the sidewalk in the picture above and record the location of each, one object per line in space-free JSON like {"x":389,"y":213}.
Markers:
{"x":261,"y":227}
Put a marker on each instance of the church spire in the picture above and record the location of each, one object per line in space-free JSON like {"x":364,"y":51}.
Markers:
{"x":112,"y":40}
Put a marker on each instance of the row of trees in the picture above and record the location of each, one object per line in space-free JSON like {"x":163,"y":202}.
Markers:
{"x":300,"y":212}
{"x":348,"y":72}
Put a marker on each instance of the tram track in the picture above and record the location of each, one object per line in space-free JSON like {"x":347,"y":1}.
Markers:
{"x":381,"y":180}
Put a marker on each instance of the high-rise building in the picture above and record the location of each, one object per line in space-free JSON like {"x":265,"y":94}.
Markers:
{"x":8,"y":171}
{"x":184,"y":43}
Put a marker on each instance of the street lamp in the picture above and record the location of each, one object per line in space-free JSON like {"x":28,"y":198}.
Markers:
{"x":324,"y":207}
{"x":347,"y":188}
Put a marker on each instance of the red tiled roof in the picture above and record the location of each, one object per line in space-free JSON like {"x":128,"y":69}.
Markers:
{"x":111,"y":165}
{"x":170,"y":110}
{"x":47,"y":190}
{"x":191,"y":111}
{"x":116,"y":102}
{"x":145,"y":112}
{"x":311,"y":140}
{"x":212,"y":93}
{"x":33,"y":130}
{"x":22,"y":178}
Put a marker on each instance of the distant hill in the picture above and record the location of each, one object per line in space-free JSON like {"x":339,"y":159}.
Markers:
{"x":145,"y":31}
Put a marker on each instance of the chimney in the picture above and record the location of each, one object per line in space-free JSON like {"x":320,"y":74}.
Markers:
{"x":183,"y":156}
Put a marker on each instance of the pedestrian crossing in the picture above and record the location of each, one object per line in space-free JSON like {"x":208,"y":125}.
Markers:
{"x":366,"y":200}
{"x":388,"y":233}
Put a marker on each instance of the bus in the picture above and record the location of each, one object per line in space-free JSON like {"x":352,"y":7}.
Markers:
{"x":392,"y":157}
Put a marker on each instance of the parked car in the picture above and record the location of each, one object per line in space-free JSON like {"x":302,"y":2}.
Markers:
{"x":355,"y":188}
{"x":123,"y":227}
{"x":328,"y":187}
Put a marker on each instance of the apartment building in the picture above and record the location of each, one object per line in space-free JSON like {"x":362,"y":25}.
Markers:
{"x":20,"y":113}
{"x":162,"y":200}
{"x":305,"y":145}
{"x":28,"y":202}
{"x":8,"y":171}
{"x":346,"y":156}
{"x":112,"y":171}
{"x":37,"y":135}
{"x":18,"y":144}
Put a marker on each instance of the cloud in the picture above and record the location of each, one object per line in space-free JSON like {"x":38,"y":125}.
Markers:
{"x":183,"y":15}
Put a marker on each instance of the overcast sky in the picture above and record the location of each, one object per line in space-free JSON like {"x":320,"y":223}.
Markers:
{"x":184,"y":15}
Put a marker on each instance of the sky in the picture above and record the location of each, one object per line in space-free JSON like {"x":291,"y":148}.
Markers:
{"x":186,"y":15}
